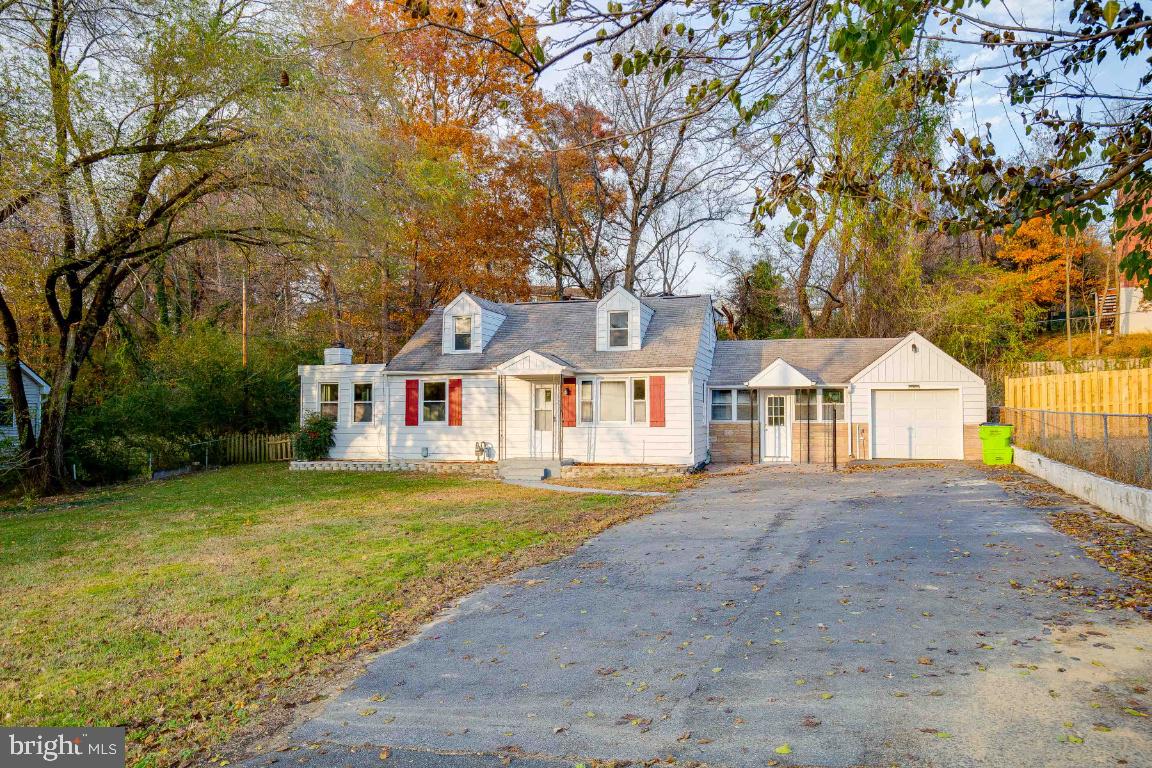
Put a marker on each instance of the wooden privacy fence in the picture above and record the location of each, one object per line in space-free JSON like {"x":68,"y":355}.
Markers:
{"x":1117,"y":391}
{"x":250,"y":449}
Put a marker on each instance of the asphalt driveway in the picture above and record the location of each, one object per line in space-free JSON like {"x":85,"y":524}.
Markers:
{"x":870,"y":619}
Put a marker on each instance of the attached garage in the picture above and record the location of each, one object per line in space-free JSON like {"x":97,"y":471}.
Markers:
{"x":917,"y":424}
{"x":917,"y":402}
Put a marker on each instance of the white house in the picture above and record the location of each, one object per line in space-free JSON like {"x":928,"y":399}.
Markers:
{"x":640,"y":381}
{"x":35,"y":388}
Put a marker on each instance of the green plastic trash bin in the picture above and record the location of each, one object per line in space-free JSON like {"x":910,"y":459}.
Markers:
{"x":995,"y":457}
{"x":996,"y":441}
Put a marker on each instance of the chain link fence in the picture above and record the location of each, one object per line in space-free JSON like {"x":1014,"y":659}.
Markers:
{"x":1114,"y":445}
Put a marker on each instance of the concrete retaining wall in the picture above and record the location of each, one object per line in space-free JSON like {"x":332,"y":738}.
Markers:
{"x":470,"y":468}
{"x":1127,"y":501}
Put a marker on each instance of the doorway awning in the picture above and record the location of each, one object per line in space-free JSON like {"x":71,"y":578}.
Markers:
{"x":532,"y":363}
{"x":780,"y":375}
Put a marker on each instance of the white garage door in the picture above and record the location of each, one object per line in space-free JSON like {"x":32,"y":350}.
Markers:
{"x":917,"y":424}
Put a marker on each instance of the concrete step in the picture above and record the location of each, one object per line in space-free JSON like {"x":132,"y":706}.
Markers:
{"x":528,"y":469}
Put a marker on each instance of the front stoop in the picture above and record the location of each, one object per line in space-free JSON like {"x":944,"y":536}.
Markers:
{"x":528,"y":469}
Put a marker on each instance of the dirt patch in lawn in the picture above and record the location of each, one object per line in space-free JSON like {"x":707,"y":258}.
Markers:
{"x":1113,"y":542}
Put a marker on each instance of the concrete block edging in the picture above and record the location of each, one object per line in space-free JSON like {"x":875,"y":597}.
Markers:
{"x":1130,"y":502}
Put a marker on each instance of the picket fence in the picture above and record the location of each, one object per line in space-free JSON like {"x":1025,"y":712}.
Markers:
{"x":1114,"y":391}
{"x":253,"y":449}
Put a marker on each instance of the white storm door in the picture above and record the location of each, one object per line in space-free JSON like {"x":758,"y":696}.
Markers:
{"x":543,"y":419}
{"x":776,"y":442}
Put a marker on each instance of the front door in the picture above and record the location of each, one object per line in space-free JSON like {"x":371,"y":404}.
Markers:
{"x":777,"y":442}
{"x":543,"y":419}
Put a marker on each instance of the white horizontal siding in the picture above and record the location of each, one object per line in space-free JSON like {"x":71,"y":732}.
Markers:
{"x":32,"y":392}
{"x":389,"y":438}
{"x":701,"y":371}
{"x":479,"y":421}
{"x":622,"y":443}
{"x":928,"y":368}
{"x":353,"y":441}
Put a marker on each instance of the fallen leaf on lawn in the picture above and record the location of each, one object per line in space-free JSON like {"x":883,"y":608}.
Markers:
{"x":783,"y":749}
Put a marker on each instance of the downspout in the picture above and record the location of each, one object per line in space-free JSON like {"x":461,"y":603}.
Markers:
{"x":387,"y":419}
{"x":849,"y":422}
{"x":808,"y":423}
{"x":751,"y":427}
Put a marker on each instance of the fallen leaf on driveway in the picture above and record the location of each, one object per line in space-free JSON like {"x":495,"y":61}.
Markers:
{"x":367,"y":712}
{"x":925,"y":660}
{"x":783,"y":749}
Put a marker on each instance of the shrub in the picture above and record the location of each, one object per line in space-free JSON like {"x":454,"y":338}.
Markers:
{"x":315,"y":438}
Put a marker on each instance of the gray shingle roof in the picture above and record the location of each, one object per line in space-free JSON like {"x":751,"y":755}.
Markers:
{"x":487,"y":304}
{"x":566,"y":330}
{"x":825,"y":361}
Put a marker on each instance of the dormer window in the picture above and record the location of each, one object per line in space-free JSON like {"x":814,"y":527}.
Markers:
{"x":618,"y":336}
{"x":463,"y":333}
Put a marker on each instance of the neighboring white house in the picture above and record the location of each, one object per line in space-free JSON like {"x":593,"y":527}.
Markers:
{"x":641,"y":381}
{"x":35,"y":388}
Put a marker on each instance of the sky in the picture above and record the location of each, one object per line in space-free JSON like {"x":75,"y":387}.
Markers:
{"x":981,"y":106}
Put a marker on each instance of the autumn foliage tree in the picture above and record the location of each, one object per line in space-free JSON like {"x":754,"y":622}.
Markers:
{"x":458,"y":111}
{"x":1049,"y":261}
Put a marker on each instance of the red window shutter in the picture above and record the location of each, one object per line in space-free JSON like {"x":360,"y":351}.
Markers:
{"x":656,"y":407}
{"x":568,"y":402}
{"x":455,"y":402}
{"x":411,"y":402}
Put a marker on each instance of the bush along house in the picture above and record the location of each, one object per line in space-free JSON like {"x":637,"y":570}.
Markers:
{"x":638,"y":381}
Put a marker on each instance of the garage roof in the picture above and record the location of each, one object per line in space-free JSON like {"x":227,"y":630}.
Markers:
{"x":825,"y":361}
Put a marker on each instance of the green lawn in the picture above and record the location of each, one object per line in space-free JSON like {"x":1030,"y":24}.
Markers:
{"x":187,"y":610}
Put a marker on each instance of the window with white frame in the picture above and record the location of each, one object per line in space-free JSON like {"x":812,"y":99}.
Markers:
{"x":434,"y":401}
{"x":733,"y":405}
{"x":806,"y":405}
{"x":462,"y":333}
{"x":832,"y":401}
{"x":639,"y":401}
{"x":819,"y":404}
{"x":362,"y":403}
{"x":721,"y":405}
{"x":614,"y":400}
{"x":330,"y":400}
{"x":745,"y":405}
{"x":587,"y":404}
{"x":618,"y":329}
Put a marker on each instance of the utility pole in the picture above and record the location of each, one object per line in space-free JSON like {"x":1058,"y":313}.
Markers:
{"x":244,"y":316}
{"x":1068,"y":293}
